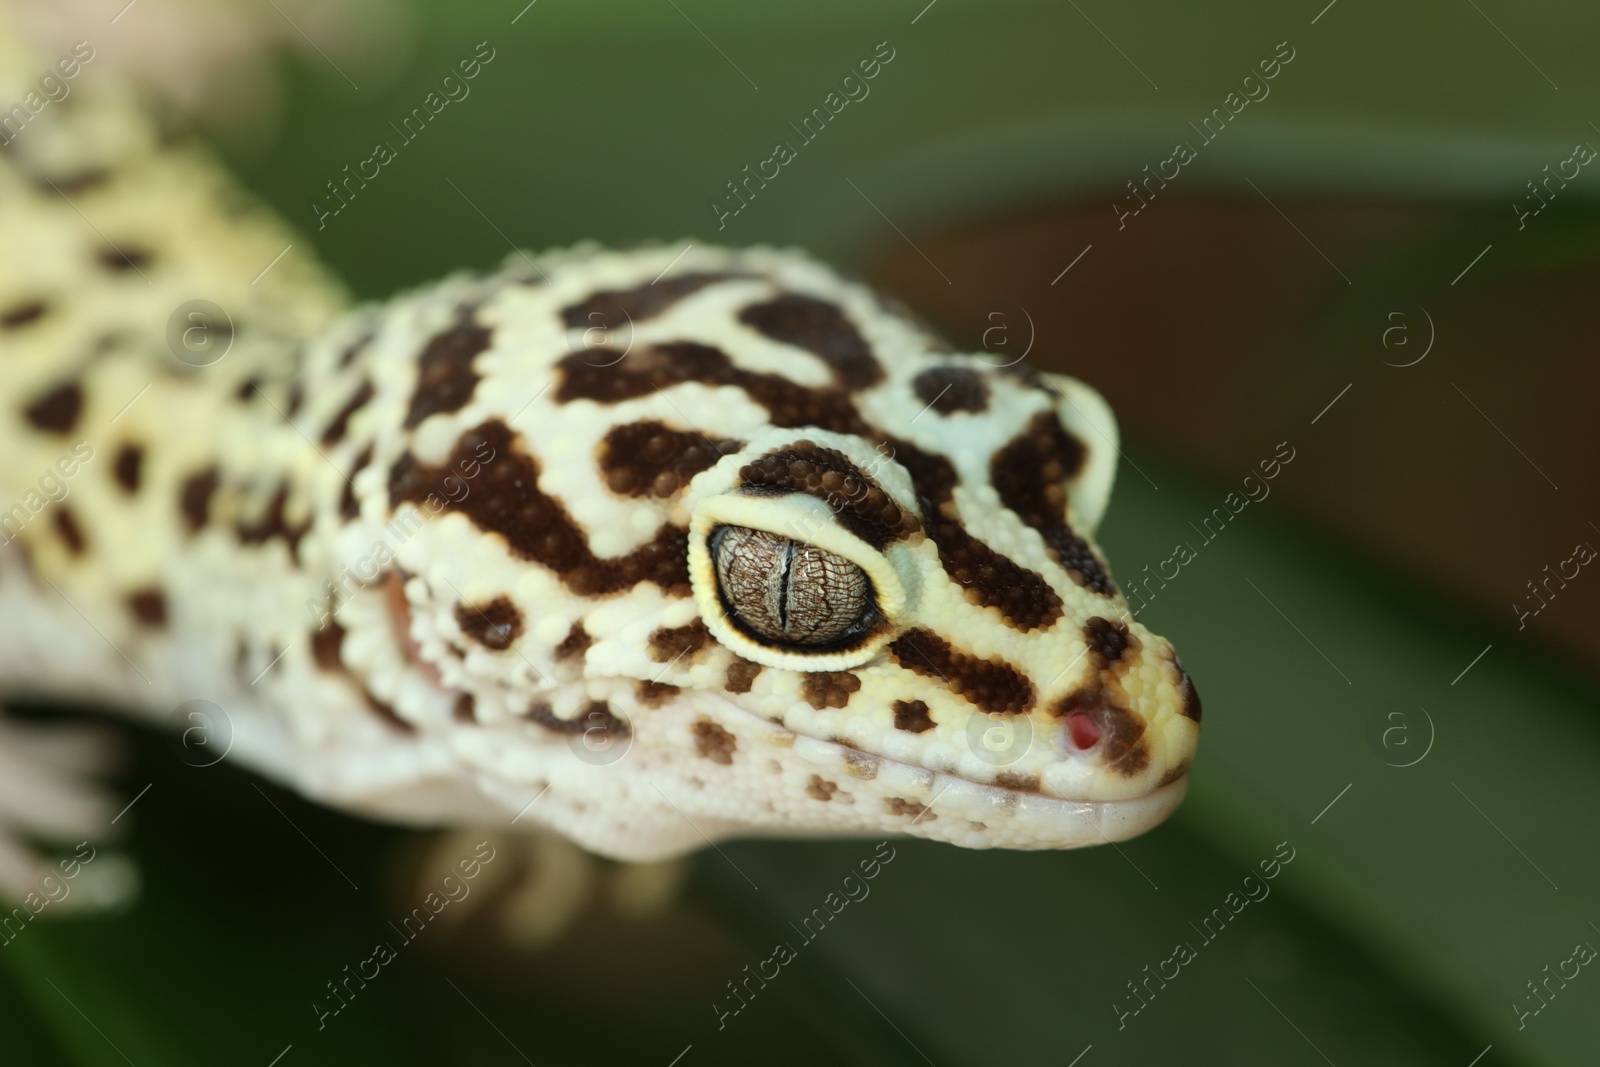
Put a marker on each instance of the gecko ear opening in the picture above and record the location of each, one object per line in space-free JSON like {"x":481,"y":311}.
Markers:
{"x":798,"y":550}
{"x":1084,"y":414}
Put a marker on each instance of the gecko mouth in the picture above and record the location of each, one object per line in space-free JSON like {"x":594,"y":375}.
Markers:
{"x":948,"y":807}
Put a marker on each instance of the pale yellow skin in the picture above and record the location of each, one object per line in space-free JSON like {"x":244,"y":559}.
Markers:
{"x":700,"y":761}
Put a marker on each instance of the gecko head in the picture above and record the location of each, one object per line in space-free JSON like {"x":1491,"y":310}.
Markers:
{"x":929,"y":629}
{"x":790,"y":565}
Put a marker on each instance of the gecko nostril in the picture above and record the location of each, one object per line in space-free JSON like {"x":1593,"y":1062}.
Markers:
{"x":1083,"y":731}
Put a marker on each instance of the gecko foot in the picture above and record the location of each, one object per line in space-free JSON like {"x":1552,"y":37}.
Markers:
{"x":50,"y":797}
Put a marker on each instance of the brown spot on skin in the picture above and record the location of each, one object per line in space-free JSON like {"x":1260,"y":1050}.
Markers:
{"x":194,"y":499}
{"x":349,"y":506}
{"x":861,"y":507}
{"x":820,"y":788}
{"x":1031,"y":475}
{"x":1021,"y":783}
{"x":654,"y":694}
{"x":1173,"y":775}
{"x":649,"y":459}
{"x":714,"y":743}
{"x":68,"y":530}
{"x":1107,"y":640}
{"x":988,"y":579}
{"x":908,"y":808}
{"x":650,"y":368}
{"x":247,"y":390}
{"x":911,"y":716}
{"x":506,"y":500}
{"x":465,"y":709}
{"x":274,"y":523}
{"x":1186,"y":690}
{"x":741,"y":675}
{"x":387,"y":713}
{"x":57,"y":411}
{"x":149,"y":606}
{"x":341,"y":421}
{"x":820,"y":328}
{"x":445,"y":378}
{"x":613,"y":308}
{"x":495,"y":625}
{"x":82,"y":181}
{"x":990,"y":684}
{"x":326,"y":645}
{"x":668,"y":644}
{"x":575,"y":644}
{"x":19,"y":315}
{"x":123,"y":260}
{"x":127,"y":467}
{"x":860,"y":765}
{"x":948,"y":390}
{"x":348,"y":356}
{"x":595,"y":715}
{"x":297,"y":397}
{"x":1121,"y":732}
{"x":829,"y":689}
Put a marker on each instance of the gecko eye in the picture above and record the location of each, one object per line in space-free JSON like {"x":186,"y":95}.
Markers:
{"x":789,"y":594}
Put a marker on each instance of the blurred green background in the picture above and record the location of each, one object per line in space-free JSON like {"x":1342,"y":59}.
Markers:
{"x":1442,"y":807}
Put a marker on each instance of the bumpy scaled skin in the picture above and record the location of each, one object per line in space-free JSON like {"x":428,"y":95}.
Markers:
{"x":455,"y":557}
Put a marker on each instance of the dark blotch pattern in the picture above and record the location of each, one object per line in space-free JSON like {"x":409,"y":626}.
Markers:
{"x":57,"y":411}
{"x":274,"y":523}
{"x":990,"y":684}
{"x":326,"y":644}
{"x":911,"y":716}
{"x":128,"y":466}
{"x":670,"y":643}
{"x":595,"y":715}
{"x":651,"y":367}
{"x":465,"y":709}
{"x":349,"y":506}
{"x":819,"y":788}
{"x":495,"y":625}
{"x":1031,"y":475}
{"x":909,"y":808}
{"x":506,"y":500}
{"x":820,"y":328}
{"x":67,"y":528}
{"x":124,"y":260}
{"x":575,"y":645}
{"x":1186,"y":690}
{"x":948,"y":390}
{"x":987,"y":578}
{"x":19,"y":315}
{"x":194,"y":498}
{"x":654,"y":694}
{"x":149,"y":607}
{"x":860,"y":506}
{"x":650,"y":459}
{"x":1107,"y":640}
{"x":829,"y":689}
{"x":341,"y":421}
{"x":741,"y":675}
{"x":386,"y":712}
{"x":714,"y":743}
{"x":445,"y":378}
{"x":614,"y":308}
